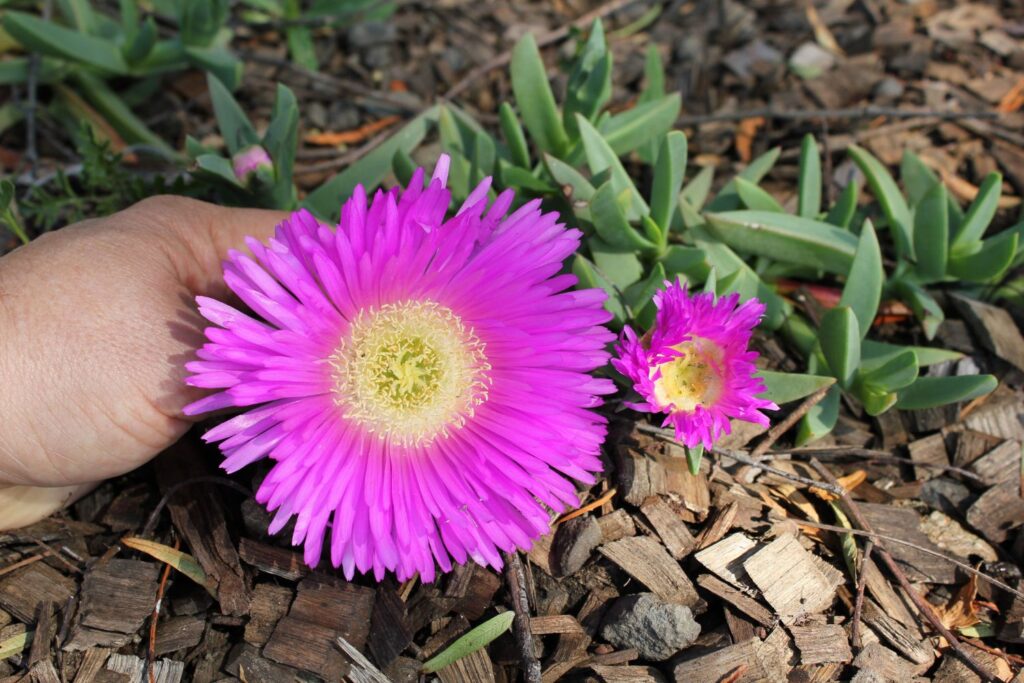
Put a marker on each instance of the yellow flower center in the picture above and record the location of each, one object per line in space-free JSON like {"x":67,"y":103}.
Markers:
{"x":410,"y":372}
{"x":694,"y":378}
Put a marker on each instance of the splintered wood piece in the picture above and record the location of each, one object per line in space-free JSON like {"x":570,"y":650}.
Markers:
{"x":270,"y":603}
{"x":930,"y":450}
{"x":971,"y":445}
{"x":179,"y":633}
{"x":790,"y":580}
{"x":647,"y":561}
{"x":627,"y":674}
{"x":766,"y":661}
{"x":994,"y":328}
{"x":741,"y":601}
{"x":94,"y":661}
{"x":642,"y":475}
{"x":616,"y":525}
{"x":821,"y":643}
{"x":164,"y":670}
{"x":540,"y":553}
{"x":997,"y":511}
{"x":725,"y":559}
{"x":198,"y":514}
{"x":1001,"y":464}
{"x":721,"y":521}
{"x":891,"y":602}
{"x":573,"y":544}
{"x":953,"y":670}
{"x":471,"y":589}
{"x":117,"y":597}
{"x":555,"y":623}
{"x":272,"y":560}
{"x":389,"y":628}
{"x":570,"y":652}
{"x":361,"y":669}
{"x":245,"y":660}
{"x":899,"y":637}
{"x":324,"y":610}
{"x":883,"y":663}
{"x":998,"y":417}
{"x":905,"y":524}
{"x":669,"y":526}
{"x":474,"y":668}
{"x":23,"y":589}
{"x":43,"y":672}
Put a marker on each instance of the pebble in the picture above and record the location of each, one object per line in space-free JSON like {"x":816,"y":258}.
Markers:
{"x":655,"y":628}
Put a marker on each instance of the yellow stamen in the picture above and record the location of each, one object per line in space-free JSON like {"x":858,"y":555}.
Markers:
{"x":410,"y":372}
{"x":694,"y":378}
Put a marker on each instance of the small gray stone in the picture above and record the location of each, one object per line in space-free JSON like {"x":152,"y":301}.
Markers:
{"x":573,"y":544}
{"x":810,"y":60}
{"x":889,"y":88}
{"x":366,"y":34}
{"x":655,"y":628}
{"x":947,"y":495}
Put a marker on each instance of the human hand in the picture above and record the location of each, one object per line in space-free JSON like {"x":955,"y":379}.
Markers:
{"x":97,"y":321}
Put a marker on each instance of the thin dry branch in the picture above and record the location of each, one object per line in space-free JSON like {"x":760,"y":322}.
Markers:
{"x":516,"y":578}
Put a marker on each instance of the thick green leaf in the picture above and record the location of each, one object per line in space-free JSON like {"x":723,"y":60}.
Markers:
{"x":280,"y":141}
{"x":800,"y":334}
{"x":370,"y":171}
{"x":809,"y":183}
{"x":235,"y":127}
{"x":888,"y":195}
{"x":601,"y":158}
{"x":518,"y":150}
{"x":622,"y":268}
{"x":756,"y":199}
{"x":690,"y":262}
{"x":917,"y":178}
{"x":693,"y":458}
{"x":696,"y":191}
{"x":896,"y":373}
{"x":863,"y":288}
{"x":567,"y":176}
{"x":727,"y":199}
{"x":589,"y":278}
{"x":876,"y":400}
{"x":931,"y":234}
{"x":15,"y":643}
{"x":785,"y":387}
{"x":590,"y":82}
{"x":130,"y":126}
{"x":978,"y":217}
{"x":840,"y":343}
{"x":520,"y":179}
{"x":610,"y":222}
{"x":875,"y":354}
{"x":477,"y":639}
{"x":925,"y":308}
{"x":842,"y":212}
{"x":931,"y":392}
{"x":634,"y":127}
{"x":55,"y":40}
{"x":201,"y":20}
{"x":990,"y":262}
{"x":668,"y":179}
{"x":535,"y":99}
{"x":218,"y":61}
{"x":640,"y":294}
{"x":141,"y":42}
{"x":218,"y":166}
{"x":786,"y":238}
{"x":820,"y":419}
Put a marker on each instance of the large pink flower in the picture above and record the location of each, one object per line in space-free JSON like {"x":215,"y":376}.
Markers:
{"x":695,"y":366}
{"x":421,"y":384}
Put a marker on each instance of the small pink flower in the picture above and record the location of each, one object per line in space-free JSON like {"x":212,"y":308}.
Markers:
{"x":250,"y":161}
{"x":695,"y":366}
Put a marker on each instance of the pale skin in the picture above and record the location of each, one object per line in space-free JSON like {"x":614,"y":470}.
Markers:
{"x":97,"y":321}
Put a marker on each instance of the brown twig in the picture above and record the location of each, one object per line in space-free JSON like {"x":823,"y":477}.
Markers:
{"x":781,"y":427}
{"x":56,"y":555}
{"x":858,"y":601}
{"x":922,"y":605}
{"x":868,"y":112}
{"x":151,"y":651}
{"x":668,"y":435}
{"x":516,"y":578}
{"x":872,"y":455}
{"x":24,"y":562}
{"x":559,"y":33}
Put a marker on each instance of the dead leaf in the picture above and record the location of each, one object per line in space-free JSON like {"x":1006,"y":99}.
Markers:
{"x":183,"y":562}
{"x":1014,"y":99}
{"x":822,"y":34}
{"x":961,"y":611}
{"x":745,"y":134}
{"x":354,"y":136}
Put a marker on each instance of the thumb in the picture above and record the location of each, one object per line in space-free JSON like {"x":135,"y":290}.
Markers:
{"x":200,"y":234}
